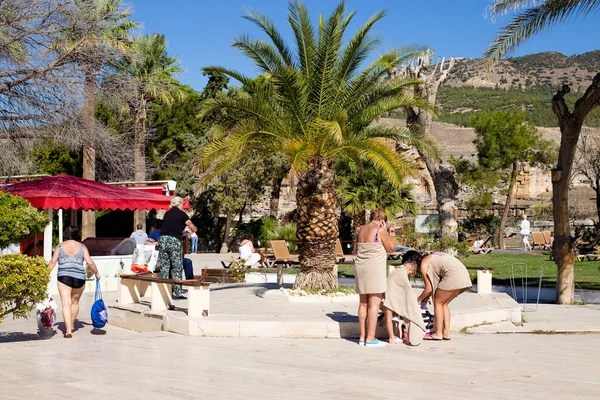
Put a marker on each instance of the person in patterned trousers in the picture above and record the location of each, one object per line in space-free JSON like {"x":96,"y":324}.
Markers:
{"x":169,"y":243}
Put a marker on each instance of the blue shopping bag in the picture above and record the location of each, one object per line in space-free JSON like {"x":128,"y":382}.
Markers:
{"x":98,"y":313}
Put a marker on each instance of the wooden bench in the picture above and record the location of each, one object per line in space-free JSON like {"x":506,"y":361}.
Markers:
{"x":215,"y":276}
{"x":132,"y":288}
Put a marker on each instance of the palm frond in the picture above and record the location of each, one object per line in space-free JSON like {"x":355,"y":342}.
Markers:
{"x":262,"y":53}
{"x":395,"y":167}
{"x":305,"y":37}
{"x":532,"y":21}
{"x":267,"y":26}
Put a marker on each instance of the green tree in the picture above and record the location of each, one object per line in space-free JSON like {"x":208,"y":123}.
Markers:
{"x":536,"y":17}
{"x":478,"y":181}
{"x":321,"y":106}
{"x":103,"y":29}
{"x":364,"y":187}
{"x":53,"y":158}
{"x":178,"y":136}
{"x":18,"y":220}
{"x":152,"y":73}
{"x":505,"y":139}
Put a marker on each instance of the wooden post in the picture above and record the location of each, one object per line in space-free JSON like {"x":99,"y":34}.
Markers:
{"x":48,"y":236}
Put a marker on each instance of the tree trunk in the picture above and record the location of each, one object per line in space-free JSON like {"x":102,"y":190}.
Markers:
{"x":317,"y":227}
{"x":139,"y":216}
{"x":564,"y":249}
{"x":597,"y":191}
{"x":506,"y":212}
{"x":432,"y":75}
{"x":570,"y":129}
{"x":275,"y":194}
{"x":444,"y":179}
{"x":241,"y":216}
{"x":88,"y":218}
{"x":446,"y":190}
{"x":358,"y":220}
{"x":226,"y":239}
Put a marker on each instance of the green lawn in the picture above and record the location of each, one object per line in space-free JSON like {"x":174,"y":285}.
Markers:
{"x":587,"y":273}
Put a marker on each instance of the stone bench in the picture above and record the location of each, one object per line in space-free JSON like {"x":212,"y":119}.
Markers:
{"x":132,"y":288}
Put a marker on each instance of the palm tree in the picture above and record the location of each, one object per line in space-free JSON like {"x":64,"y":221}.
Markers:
{"x":320,"y":106}
{"x":540,"y":16}
{"x":105,"y":29}
{"x":364,"y":187}
{"x":152,"y":73}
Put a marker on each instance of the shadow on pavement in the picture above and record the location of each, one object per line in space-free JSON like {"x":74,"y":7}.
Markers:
{"x":11,"y":337}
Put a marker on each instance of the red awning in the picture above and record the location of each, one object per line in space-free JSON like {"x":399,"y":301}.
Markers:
{"x":65,"y":191}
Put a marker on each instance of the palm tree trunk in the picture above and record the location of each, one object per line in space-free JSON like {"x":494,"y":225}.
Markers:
{"x":317,"y":227}
{"x":88,"y":218}
{"x":509,"y":196}
{"x":570,"y":124}
{"x":139,"y":216}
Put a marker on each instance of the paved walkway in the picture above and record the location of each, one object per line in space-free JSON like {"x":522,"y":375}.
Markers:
{"x":169,"y":366}
{"x":121,"y":364}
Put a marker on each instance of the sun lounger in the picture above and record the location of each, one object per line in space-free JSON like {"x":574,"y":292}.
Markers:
{"x":538,"y":240}
{"x":485,"y":247}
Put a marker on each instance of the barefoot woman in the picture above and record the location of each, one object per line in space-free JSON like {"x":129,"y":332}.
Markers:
{"x":445,"y":277}
{"x":71,"y":274}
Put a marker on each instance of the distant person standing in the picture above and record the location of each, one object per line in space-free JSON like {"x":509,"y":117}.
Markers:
{"x":139,"y":235}
{"x":169,"y":243}
{"x":525,"y":232}
{"x":194,"y":238}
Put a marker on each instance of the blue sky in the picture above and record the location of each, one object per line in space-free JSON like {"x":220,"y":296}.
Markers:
{"x":200,"y":32}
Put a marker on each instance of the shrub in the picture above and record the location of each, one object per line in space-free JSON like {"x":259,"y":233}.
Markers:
{"x":18,"y":220}
{"x":286,"y":231}
{"x":427,"y":242}
{"x":23,"y":283}
{"x":483,"y":224}
{"x":237,"y":271}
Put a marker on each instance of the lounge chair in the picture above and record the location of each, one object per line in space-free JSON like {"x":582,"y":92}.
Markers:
{"x":281,"y":258}
{"x":281,"y":255}
{"x":486,"y":247}
{"x":538,"y":240}
{"x":471,"y":242}
{"x":547,"y":235}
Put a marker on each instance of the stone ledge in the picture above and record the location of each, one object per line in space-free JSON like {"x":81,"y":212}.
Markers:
{"x":310,"y":298}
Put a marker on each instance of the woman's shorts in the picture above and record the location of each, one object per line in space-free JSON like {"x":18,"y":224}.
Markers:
{"x":71,"y":282}
{"x":525,"y":237}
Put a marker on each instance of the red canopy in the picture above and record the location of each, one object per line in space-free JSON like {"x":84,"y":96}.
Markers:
{"x":65,"y":191}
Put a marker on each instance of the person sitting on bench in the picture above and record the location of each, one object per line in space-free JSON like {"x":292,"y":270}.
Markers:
{"x":248,"y":253}
{"x":188,"y":268}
